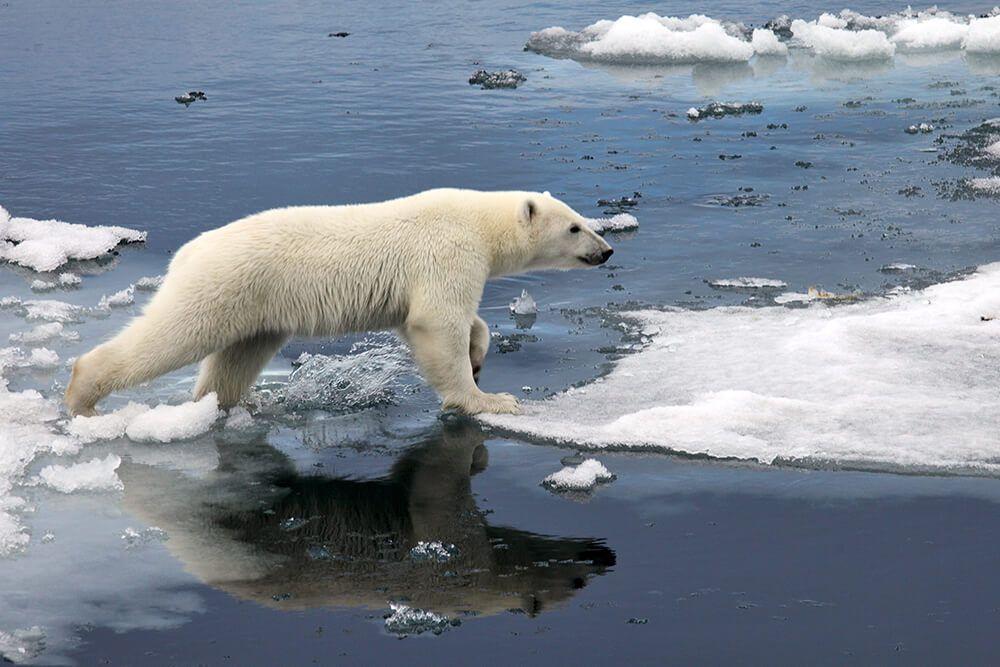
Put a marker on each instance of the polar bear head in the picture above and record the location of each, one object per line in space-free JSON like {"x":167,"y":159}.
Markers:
{"x":560,"y":237}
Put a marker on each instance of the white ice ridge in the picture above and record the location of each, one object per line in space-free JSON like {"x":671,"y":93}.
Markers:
{"x":904,"y":381}
{"x":45,"y":245}
{"x":650,"y":39}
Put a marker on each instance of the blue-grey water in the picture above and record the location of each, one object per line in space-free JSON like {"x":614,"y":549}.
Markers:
{"x":712,"y":562}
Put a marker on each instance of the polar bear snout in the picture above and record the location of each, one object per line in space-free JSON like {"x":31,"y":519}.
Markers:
{"x":599,"y":256}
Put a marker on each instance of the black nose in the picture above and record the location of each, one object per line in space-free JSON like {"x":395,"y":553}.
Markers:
{"x":607,"y":253}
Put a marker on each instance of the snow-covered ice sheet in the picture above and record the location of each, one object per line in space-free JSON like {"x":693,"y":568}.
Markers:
{"x":908,"y":381}
{"x":45,"y":245}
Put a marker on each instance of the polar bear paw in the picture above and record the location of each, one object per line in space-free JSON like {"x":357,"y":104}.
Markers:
{"x":498,"y":404}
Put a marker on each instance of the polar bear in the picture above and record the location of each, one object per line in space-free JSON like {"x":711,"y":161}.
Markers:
{"x":418,"y":264}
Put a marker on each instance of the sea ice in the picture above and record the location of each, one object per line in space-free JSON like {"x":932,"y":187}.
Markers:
{"x":583,"y":477}
{"x":363,"y":379}
{"x":524,"y":304}
{"x":983,"y":36}
{"x":174,"y":422}
{"x":766,"y":43}
{"x":69,"y":279}
{"x":621,"y":222}
{"x":42,"y":333}
{"x":42,"y":285}
{"x":148,"y":283}
{"x":93,"y":475}
{"x":907,"y":381}
{"x":105,"y":427}
{"x":45,"y":245}
{"x":721,"y":109}
{"x":647,"y":39}
{"x":745,"y":282}
{"x":842,"y":44}
{"x":989,"y":184}
{"x":930,"y":34}
{"x":125,"y":297}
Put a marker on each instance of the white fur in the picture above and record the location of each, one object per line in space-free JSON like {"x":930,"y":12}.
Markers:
{"x":418,"y":264}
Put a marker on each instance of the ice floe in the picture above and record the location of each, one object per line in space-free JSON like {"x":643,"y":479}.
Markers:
{"x":747,"y":282}
{"x":766,"y":43}
{"x":105,"y":427}
{"x":405,"y":620}
{"x":983,"y":36}
{"x":93,"y":475}
{"x":908,"y":381}
{"x":837,"y":43}
{"x":42,"y":333}
{"x":119,"y":299}
{"x":989,"y":184}
{"x":583,"y":477}
{"x":524,"y":304}
{"x":647,"y":39}
{"x":45,"y":245}
{"x":621,"y":222}
{"x":165,"y":423}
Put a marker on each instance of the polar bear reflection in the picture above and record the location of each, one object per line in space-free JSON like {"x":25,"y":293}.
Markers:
{"x":263,"y":532}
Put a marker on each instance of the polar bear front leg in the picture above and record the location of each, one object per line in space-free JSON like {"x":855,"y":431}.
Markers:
{"x":479,"y":345}
{"x":442,"y":349}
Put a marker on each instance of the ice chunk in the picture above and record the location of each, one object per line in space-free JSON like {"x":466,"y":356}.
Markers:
{"x":747,"y":282}
{"x":766,"y":43}
{"x":583,"y":477}
{"x":94,"y":475}
{"x":45,"y":245}
{"x":931,"y":34}
{"x":105,"y":427}
{"x":125,"y":297}
{"x":433,"y":551}
{"x":406,"y":620}
{"x":51,"y":311}
{"x":13,"y":539}
{"x":621,"y":222}
{"x":149,"y":283}
{"x":39,"y":358}
{"x":840,"y":44}
{"x":905,"y":381}
{"x":174,"y":422}
{"x":897,"y":267}
{"x":524,"y":304}
{"x":647,"y":39}
{"x":69,"y":279}
{"x":44,"y":332}
{"x":993,"y":149}
{"x":42,"y":285}
{"x":983,"y":36}
{"x":133,"y":538}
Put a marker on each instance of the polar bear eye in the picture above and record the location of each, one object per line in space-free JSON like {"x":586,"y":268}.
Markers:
{"x":574,"y":229}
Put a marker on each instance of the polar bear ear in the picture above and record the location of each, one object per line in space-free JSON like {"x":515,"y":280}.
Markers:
{"x":527,"y":211}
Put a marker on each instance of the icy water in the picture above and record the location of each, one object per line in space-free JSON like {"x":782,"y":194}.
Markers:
{"x":734,"y":534}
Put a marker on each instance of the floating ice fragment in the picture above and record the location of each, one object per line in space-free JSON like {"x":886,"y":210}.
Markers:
{"x":351,"y":382}
{"x":583,"y":477}
{"x":766,"y":43}
{"x":989,"y":184}
{"x":174,"y":422}
{"x":841,"y":44}
{"x":524,"y":304}
{"x":44,"y":332}
{"x":405,"y":620}
{"x":69,"y":279}
{"x":125,"y":297}
{"x":51,"y":311}
{"x":93,"y":475}
{"x":897,"y":267}
{"x":22,"y":645}
{"x":721,"y":109}
{"x":42,"y":285}
{"x":620,"y":222}
{"x":983,"y":36}
{"x":648,"y":39}
{"x":137,"y":538}
{"x":813,"y":294}
{"x":105,"y":427}
{"x":746,"y":282}
{"x":433,"y":551}
{"x":922,"y":128}
{"x":148,"y":283}
{"x":45,"y":245}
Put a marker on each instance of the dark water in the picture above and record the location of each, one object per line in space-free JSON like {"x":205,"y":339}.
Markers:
{"x":723,"y":563}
